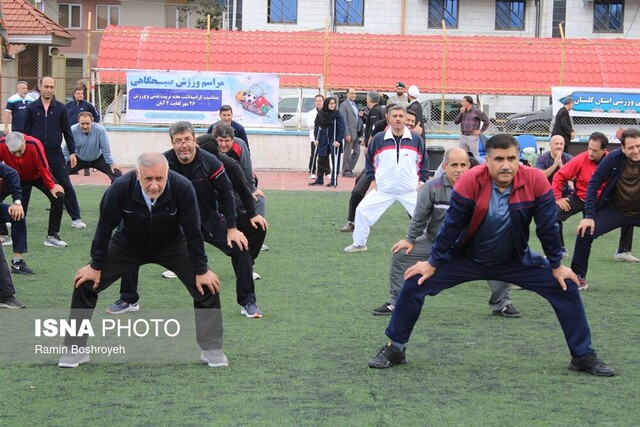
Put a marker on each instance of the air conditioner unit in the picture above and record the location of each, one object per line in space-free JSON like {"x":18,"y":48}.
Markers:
{"x":53,"y":51}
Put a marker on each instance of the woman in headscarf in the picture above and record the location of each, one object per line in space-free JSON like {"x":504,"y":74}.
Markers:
{"x":329,"y":130}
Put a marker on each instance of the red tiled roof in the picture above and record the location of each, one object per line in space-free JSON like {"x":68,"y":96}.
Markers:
{"x":22,"y":19}
{"x":479,"y":65}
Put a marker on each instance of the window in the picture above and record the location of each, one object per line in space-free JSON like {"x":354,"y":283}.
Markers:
{"x":510,"y":15}
{"x":607,"y":16}
{"x":283,"y":11}
{"x":107,"y":15}
{"x":177,"y":17}
{"x":69,"y":15}
{"x":440,"y":10}
{"x":349,"y":12}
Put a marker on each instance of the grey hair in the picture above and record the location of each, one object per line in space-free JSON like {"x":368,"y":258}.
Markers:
{"x":374,"y":96}
{"x":448,"y":153}
{"x":14,"y":141}
{"x":223,"y":130}
{"x":181,"y":126}
{"x":149,"y":160}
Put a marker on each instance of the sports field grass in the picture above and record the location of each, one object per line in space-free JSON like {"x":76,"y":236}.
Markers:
{"x":305,"y":362}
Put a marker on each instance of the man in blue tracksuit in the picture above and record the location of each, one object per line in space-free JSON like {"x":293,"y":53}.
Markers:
{"x":485,"y":235}
{"x":48,"y":120}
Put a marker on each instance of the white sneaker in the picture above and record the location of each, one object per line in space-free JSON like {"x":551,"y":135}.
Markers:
{"x":256,"y":276}
{"x":355,"y":248}
{"x":6,"y":240}
{"x":264,"y":248}
{"x":78,"y":223}
{"x":73,"y":360}
{"x":214,"y":358}
{"x":169,"y":275}
{"x":625,"y":257}
{"x":54,"y":241}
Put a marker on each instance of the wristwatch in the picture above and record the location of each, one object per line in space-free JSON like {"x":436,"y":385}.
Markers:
{"x":17,"y":202}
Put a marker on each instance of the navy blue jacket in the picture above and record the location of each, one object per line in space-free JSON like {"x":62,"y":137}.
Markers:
{"x":172,"y":219}
{"x":74,"y":108}
{"x":49,"y":126}
{"x":609,"y":170}
{"x":9,"y":178}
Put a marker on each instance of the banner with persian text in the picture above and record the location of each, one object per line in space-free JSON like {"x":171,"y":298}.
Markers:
{"x":169,"y":96}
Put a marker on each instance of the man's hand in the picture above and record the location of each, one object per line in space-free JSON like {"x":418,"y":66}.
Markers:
{"x":562,"y":273}
{"x":316,"y":143}
{"x":258,"y":193}
{"x":417,"y":129}
{"x":336,"y":144}
{"x":573,"y":134}
{"x":57,"y":188}
{"x":347,"y":138}
{"x":115,"y":167}
{"x":235,"y":235}
{"x":85,"y":274}
{"x":73,"y":160}
{"x":258,"y":221}
{"x":558,"y":160}
{"x":586,"y":224}
{"x":422,"y":268}
{"x":476,"y":132}
{"x":209,"y":280}
{"x":16,"y":212}
{"x":402,"y":244}
{"x":563,"y":204}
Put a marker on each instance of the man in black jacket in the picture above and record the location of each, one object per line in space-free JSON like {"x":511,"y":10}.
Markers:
{"x":153,"y":209}
{"x":563,"y":125}
{"x":217,"y":206}
{"x":48,"y":120}
{"x":249,"y":222}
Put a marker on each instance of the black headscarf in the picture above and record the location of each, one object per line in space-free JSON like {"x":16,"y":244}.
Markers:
{"x":326,"y":116}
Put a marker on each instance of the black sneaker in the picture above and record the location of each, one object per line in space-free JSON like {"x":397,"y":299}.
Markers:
{"x":591,"y":364}
{"x":384,"y":310}
{"x":20,"y":267}
{"x":10,"y":302}
{"x":388,"y":356}
{"x":508,"y":311}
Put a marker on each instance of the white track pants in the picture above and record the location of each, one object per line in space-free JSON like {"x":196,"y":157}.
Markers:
{"x":371,"y":208}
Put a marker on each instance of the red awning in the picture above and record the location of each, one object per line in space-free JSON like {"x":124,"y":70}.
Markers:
{"x":477,"y":65}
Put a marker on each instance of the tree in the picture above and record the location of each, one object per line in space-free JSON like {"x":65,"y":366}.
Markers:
{"x":206,"y":7}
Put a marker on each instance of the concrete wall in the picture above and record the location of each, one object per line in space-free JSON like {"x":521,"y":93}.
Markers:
{"x":270,"y":149}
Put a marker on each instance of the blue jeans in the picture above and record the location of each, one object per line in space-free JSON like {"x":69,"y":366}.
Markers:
{"x":566,"y":304}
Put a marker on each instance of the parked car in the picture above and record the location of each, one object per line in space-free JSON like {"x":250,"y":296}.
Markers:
{"x":534,"y":122}
{"x":293,"y":109}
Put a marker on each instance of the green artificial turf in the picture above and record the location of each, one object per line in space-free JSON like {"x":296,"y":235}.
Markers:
{"x":305,"y":362}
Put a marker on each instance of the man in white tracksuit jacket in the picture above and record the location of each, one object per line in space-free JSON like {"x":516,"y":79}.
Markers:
{"x":397,"y":161}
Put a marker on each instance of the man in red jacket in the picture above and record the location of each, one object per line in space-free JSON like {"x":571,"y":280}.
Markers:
{"x":580,"y":169}
{"x":26,"y":155}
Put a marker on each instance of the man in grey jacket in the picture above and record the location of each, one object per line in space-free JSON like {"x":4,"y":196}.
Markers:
{"x":349,"y":111}
{"x":431,"y":207}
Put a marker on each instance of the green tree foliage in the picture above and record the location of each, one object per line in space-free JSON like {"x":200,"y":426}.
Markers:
{"x":204,"y":8}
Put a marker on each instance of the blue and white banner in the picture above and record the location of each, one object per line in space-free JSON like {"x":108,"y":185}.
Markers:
{"x":598,"y":102}
{"x":169,"y":96}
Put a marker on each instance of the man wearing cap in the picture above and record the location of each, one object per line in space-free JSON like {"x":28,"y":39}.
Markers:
{"x":470,"y":118}
{"x":400,"y":98}
{"x":415,"y":106}
{"x":563,"y":125}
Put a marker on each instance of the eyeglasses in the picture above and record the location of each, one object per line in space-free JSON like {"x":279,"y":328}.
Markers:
{"x":180,"y":142}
